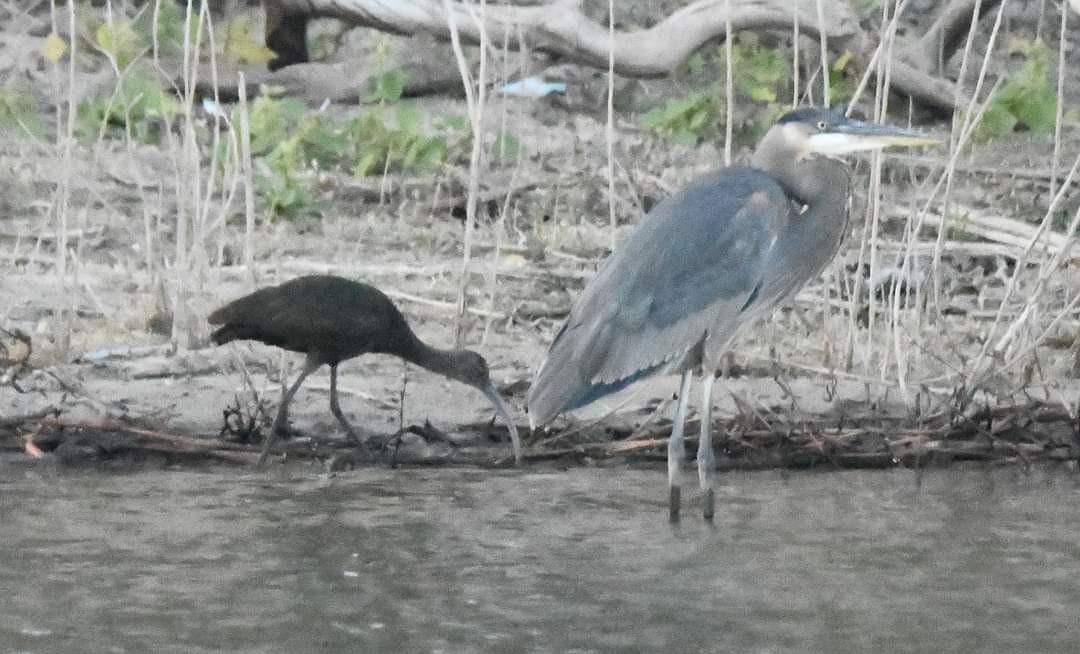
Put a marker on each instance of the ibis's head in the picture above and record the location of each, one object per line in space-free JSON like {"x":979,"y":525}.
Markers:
{"x":472,"y":369}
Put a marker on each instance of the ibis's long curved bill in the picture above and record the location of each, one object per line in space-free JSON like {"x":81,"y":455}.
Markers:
{"x":856,"y":135}
{"x":504,"y":415}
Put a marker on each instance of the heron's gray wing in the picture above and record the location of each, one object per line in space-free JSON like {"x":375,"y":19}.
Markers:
{"x":685,"y":273}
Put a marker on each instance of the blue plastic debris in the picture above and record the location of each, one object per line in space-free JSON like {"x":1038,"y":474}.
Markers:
{"x":214,"y":109}
{"x":533,"y":87}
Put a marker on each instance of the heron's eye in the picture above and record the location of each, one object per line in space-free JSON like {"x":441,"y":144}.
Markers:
{"x":822,"y":125}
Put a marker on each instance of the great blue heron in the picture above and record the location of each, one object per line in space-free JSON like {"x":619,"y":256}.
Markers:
{"x":331,"y":319}
{"x":726,"y":249}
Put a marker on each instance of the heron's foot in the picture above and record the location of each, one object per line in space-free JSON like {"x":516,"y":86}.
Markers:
{"x":674,"y":502}
{"x":709,"y":502}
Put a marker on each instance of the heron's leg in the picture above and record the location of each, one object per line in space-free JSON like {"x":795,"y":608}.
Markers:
{"x":706,"y":461}
{"x":335,"y":409}
{"x":310,"y":365}
{"x":676,"y":451}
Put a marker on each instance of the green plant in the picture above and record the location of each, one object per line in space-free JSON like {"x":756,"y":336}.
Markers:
{"x":169,"y":26}
{"x":505,"y":147}
{"x":292,"y":141}
{"x":289,"y":190}
{"x":760,"y":74}
{"x":686,"y":120}
{"x":386,"y":87}
{"x":393,"y":146}
{"x":139,"y":105}
{"x":843,"y":78}
{"x":19,"y":113}
{"x":120,"y":41}
{"x":272,"y":120}
{"x":241,"y":44}
{"x":1027,"y":98}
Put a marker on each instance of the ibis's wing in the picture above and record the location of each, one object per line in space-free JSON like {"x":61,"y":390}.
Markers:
{"x":684,"y":275}
{"x":327,"y":313}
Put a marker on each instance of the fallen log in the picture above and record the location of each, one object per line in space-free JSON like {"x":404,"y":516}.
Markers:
{"x":561,"y":29}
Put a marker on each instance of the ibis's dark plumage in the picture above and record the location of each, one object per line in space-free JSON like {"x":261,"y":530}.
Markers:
{"x":726,"y":249}
{"x":331,"y":319}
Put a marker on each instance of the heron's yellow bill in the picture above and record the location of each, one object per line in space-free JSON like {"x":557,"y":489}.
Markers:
{"x":855,"y":136}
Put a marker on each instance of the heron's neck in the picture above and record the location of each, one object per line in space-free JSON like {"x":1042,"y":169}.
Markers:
{"x":811,"y":181}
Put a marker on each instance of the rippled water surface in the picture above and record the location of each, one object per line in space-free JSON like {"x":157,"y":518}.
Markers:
{"x":457,"y":560}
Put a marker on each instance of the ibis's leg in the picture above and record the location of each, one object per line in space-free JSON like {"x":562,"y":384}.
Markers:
{"x":283,"y":410}
{"x":676,"y":451}
{"x":335,"y":409}
{"x":706,"y":462}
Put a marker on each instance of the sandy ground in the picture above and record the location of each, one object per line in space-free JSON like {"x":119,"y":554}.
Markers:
{"x":409,"y":243}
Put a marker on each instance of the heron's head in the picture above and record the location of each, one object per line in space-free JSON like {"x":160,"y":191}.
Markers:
{"x":817,"y":131}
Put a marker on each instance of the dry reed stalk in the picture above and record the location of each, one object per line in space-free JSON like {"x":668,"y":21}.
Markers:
{"x":1059,"y":114}
{"x":824,"y":41}
{"x":63,"y":311}
{"x":967,"y":125}
{"x":795,"y":54}
{"x":475,"y":101}
{"x":249,"y":183}
{"x":609,"y":127}
{"x":729,"y":84}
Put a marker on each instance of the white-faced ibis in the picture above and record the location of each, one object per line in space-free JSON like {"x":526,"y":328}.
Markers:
{"x":725,"y":250}
{"x":331,"y":319}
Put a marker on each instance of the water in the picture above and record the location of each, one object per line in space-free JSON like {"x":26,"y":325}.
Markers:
{"x":459,"y":560}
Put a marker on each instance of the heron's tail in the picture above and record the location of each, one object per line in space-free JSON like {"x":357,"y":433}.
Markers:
{"x":556,"y":384}
{"x":562,"y":384}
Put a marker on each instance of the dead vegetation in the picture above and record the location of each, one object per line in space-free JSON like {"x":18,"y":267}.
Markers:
{"x":946,"y":330}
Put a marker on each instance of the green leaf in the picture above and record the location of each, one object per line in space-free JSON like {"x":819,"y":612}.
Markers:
{"x":169,"y":26}
{"x":696,"y":63}
{"x":271,"y":121}
{"x":19,"y":113}
{"x":120,"y":41}
{"x":763,"y":94}
{"x":684,"y":136}
{"x":369,"y":161}
{"x":54,"y":48}
{"x":1028,"y":97}
{"x":242,"y":45}
{"x":505,"y":147}
{"x":408,"y":118}
{"x":997,"y":121}
{"x":456,"y":122}
{"x":387,"y":87}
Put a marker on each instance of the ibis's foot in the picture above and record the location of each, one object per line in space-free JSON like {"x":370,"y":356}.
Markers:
{"x":341,"y":461}
{"x":350,"y":459}
{"x":674,"y":500}
{"x":397,"y":446}
{"x":277,"y":435}
{"x":709,"y":501}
